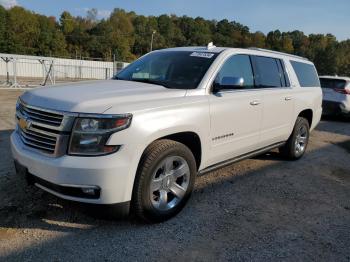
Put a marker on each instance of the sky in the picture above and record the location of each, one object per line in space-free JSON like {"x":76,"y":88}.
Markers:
{"x":309,"y":16}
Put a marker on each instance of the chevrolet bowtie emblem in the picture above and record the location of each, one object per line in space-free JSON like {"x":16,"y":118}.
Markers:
{"x":25,"y":123}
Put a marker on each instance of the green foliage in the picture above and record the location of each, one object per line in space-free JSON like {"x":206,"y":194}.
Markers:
{"x":22,"y":31}
{"x":3,"y":42}
{"x":121,"y":34}
{"x":126,"y":36}
{"x":67,"y":23}
{"x":51,"y":41}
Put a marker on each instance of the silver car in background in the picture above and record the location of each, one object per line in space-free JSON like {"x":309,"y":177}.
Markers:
{"x":336,"y":95}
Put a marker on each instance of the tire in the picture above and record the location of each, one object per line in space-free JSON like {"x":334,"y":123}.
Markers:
{"x":164,"y":181}
{"x":296,"y":145}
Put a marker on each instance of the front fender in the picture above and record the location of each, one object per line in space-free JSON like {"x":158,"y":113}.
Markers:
{"x":148,"y":126}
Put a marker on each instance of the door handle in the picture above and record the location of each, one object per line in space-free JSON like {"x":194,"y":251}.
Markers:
{"x":255,"y":103}
{"x":288,"y":98}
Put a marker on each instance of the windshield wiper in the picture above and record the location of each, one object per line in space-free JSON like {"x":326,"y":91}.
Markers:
{"x":149,"y":81}
{"x":143,"y":80}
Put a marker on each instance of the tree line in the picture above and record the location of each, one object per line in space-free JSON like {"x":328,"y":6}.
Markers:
{"x":126,"y":36}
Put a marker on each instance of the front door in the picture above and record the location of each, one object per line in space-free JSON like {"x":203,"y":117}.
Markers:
{"x":236,"y":113}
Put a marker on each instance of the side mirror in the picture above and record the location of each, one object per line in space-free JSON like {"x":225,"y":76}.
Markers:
{"x":229,"y":83}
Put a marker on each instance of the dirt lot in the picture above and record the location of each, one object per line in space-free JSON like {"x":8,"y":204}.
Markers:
{"x":260,"y":209}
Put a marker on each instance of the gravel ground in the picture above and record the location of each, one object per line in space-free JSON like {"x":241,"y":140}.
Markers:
{"x":261,"y":209}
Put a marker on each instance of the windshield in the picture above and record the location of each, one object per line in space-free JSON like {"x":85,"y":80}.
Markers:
{"x":171,"y":69}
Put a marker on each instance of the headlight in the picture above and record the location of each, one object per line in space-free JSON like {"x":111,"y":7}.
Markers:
{"x":90,"y":134}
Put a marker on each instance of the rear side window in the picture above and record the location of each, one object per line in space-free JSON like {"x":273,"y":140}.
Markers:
{"x":306,"y":73}
{"x":333,"y":83}
{"x":268,"y":72}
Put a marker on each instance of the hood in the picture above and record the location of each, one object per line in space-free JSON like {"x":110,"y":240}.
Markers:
{"x":97,"y":96}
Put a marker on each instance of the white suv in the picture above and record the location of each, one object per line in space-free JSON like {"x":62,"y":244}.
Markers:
{"x":139,"y":140}
{"x":336,"y":95}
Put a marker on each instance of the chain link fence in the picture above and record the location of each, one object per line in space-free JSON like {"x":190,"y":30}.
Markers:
{"x":28,"y":71}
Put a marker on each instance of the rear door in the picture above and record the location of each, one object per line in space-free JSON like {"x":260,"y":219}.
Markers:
{"x":278,"y":101}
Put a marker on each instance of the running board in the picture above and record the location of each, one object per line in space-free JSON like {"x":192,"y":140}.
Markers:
{"x":239,"y":158}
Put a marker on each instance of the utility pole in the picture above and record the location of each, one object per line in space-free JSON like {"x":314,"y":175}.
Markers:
{"x":153,"y":33}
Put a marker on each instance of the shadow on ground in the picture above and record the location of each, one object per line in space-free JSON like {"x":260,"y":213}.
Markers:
{"x":330,"y":124}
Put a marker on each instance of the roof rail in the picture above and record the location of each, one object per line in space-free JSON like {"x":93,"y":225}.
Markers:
{"x":276,"y":52}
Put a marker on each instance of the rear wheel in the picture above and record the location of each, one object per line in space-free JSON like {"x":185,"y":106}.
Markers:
{"x":298,"y":141}
{"x":164,"y":181}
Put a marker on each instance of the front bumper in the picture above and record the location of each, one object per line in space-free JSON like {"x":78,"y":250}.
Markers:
{"x":108,"y":174}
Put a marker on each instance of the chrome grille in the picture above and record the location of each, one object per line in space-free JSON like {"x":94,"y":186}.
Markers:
{"x":38,"y":140}
{"x":40,"y":116}
{"x":43,"y":130}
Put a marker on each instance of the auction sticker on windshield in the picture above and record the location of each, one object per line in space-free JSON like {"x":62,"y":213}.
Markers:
{"x":204,"y":55}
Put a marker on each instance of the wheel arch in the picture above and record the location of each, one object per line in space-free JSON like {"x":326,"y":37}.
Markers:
{"x":190,"y":139}
{"x":308,"y":115}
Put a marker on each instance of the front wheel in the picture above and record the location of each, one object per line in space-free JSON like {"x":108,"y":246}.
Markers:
{"x":296,"y":145}
{"x":164,"y":181}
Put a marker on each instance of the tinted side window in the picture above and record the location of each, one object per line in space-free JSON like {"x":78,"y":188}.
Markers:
{"x":332,"y":83}
{"x":306,"y":73}
{"x":267,"y":72}
{"x":237,"y":66}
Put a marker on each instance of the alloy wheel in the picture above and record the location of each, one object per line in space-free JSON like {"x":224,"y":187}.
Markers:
{"x":169,"y":183}
{"x":301,"y":140}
